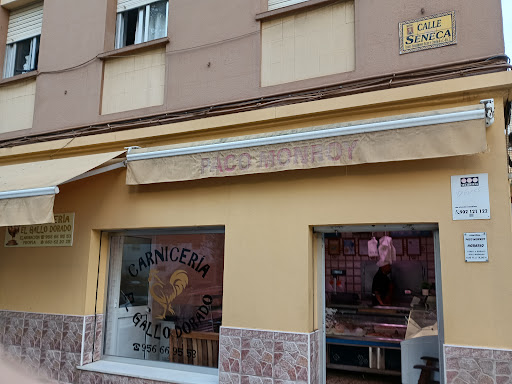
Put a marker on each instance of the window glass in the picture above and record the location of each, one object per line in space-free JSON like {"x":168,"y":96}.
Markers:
{"x":165,"y":297}
{"x":157,"y":20}
{"x":130,"y":26}
{"x":134,"y":289}
{"x":22,"y":59}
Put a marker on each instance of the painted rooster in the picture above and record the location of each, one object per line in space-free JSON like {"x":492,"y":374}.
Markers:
{"x":164,"y":296}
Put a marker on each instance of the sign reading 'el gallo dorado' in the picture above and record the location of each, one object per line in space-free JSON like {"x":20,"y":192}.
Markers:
{"x":428,"y":32}
{"x":57,"y":234}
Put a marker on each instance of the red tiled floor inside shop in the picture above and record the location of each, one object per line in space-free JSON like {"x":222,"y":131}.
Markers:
{"x":343,"y":377}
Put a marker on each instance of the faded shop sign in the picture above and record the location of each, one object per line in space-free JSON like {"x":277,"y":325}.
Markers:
{"x":242,"y":161}
{"x":428,"y":32}
{"x":57,"y":234}
{"x":283,"y":157}
{"x":437,"y":140}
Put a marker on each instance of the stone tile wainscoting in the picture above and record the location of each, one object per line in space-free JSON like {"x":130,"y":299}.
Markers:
{"x":250,"y":356}
{"x":51,"y":346}
{"x":466,"y":365}
{"x":101,"y":378}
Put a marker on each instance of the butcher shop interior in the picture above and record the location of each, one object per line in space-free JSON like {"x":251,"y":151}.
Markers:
{"x":381,"y":306}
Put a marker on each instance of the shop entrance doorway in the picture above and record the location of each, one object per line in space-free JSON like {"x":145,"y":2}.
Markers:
{"x":127,"y":301}
{"x":380,"y":303}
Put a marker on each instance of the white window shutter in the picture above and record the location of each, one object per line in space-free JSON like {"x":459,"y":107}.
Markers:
{"x":275,"y":4}
{"x":25,"y":22}
{"x":125,"y":5}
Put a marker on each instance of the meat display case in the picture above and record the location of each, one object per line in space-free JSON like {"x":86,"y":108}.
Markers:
{"x":365,"y":339}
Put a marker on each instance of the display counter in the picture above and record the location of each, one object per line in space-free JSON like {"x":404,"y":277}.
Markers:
{"x":366,"y":339}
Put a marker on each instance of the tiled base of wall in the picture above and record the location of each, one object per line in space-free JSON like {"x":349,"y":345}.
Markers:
{"x":51,"y":346}
{"x":466,"y":365}
{"x":101,"y":378}
{"x":250,"y":356}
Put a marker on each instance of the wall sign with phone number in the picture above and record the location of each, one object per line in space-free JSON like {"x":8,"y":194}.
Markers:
{"x":470,"y":197}
{"x":58,"y":234}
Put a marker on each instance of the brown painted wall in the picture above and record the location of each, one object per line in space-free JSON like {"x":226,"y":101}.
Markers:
{"x":73,"y":33}
{"x":479,"y":33}
{"x":226,"y":35}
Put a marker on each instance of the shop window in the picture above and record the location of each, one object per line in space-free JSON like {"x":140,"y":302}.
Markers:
{"x":23,"y":36}
{"x":138,"y":23}
{"x":165,"y":297}
{"x":380,"y":297}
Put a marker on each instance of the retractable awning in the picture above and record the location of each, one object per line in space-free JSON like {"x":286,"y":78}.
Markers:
{"x":433,"y":134}
{"x":27,"y":190}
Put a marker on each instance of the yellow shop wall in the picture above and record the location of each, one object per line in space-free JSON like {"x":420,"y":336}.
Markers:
{"x":268,"y":272}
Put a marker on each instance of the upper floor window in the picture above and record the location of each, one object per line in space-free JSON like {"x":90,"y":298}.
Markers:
{"x":23,"y":36}
{"x":275,"y":4}
{"x":139,"y":21}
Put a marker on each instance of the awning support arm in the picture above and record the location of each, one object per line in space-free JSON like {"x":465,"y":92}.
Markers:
{"x":108,"y":168}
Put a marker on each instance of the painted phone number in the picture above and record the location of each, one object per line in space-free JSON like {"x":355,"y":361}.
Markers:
{"x":470,"y":211}
{"x":150,"y":348}
{"x":191,"y":353}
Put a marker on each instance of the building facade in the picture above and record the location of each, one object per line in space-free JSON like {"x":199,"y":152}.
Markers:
{"x":189,"y":190}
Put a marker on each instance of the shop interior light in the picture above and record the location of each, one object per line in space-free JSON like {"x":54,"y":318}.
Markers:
{"x":433,"y":119}
{"x":29,"y":192}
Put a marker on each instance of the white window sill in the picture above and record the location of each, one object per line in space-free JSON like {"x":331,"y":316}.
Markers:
{"x":135,"y":48}
{"x":154,"y":370}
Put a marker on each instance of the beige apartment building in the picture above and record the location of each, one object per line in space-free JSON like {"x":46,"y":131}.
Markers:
{"x":255,"y":191}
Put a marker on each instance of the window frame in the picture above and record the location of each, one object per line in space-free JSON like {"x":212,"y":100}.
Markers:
{"x":24,"y":26}
{"x":141,"y":34}
{"x":11,"y":51}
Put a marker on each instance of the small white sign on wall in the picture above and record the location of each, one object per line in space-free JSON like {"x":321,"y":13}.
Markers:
{"x":475,"y":247}
{"x":470,"y":197}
